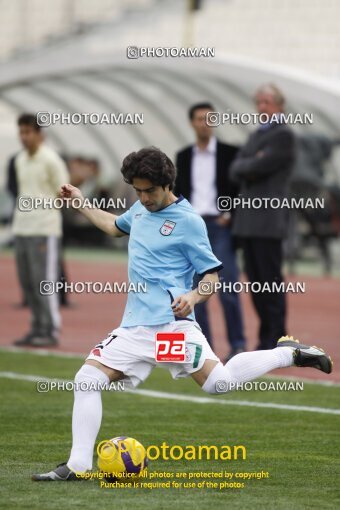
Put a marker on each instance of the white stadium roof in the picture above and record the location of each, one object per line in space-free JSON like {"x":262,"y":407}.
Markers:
{"x":91,"y":73}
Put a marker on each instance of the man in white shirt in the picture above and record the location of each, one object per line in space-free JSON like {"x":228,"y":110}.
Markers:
{"x":40,"y":172}
{"x":203,"y":176}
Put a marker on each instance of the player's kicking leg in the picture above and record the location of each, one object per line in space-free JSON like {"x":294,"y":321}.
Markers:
{"x":217,"y":378}
{"x":86,"y":421}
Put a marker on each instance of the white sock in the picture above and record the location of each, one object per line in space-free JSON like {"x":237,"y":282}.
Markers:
{"x":86,"y":418}
{"x":247,"y":366}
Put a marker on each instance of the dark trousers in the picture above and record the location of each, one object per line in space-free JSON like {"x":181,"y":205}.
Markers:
{"x":263,"y":263}
{"x":222,"y":247}
{"x":37,"y":259}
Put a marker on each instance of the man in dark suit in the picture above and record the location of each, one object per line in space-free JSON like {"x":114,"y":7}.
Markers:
{"x":202,"y":177}
{"x":262,"y":168}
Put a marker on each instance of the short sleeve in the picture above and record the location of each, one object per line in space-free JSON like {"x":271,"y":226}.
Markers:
{"x":197,"y":247}
{"x":123,"y":222}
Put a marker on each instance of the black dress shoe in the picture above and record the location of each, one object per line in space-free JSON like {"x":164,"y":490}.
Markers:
{"x":44,"y":341}
{"x":25,"y":340}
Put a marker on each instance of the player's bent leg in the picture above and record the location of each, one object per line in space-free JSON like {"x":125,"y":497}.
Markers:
{"x":86,"y":420}
{"x":218,"y":378}
{"x":243,"y":367}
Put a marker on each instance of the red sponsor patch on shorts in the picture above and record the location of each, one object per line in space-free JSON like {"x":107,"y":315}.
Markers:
{"x":170,"y":347}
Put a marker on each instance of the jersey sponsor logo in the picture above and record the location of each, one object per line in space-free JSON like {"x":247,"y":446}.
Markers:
{"x":167,"y":227}
{"x":170,"y":347}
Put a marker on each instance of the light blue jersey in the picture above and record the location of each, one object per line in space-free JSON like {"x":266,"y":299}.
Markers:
{"x":166,"y":248}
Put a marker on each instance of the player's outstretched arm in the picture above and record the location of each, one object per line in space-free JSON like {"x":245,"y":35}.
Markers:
{"x":183,"y":305}
{"x":103,"y":220}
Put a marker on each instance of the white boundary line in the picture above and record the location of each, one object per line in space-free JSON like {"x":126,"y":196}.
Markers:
{"x":75,"y":355}
{"x":186,"y":398}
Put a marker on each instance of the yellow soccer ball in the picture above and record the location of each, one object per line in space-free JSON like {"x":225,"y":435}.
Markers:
{"x":121,"y":458}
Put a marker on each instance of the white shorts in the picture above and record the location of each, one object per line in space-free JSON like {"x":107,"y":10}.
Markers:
{"x":132,"y":350}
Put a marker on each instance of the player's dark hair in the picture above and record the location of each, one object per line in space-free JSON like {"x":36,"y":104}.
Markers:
{"x":199,"y":106}
{"x":29,"y":119}
{"x":152,"y":164}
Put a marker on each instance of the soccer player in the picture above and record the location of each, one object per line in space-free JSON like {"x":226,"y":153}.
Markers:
{"x":168,"y":244}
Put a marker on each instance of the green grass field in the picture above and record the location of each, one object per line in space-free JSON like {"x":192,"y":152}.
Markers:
{"x":299,"y":449}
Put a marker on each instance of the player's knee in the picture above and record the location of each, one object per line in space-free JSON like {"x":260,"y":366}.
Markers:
{"x":218,"y":381}
{"x":217,"y":387}
{"x":89,"y":374}
{"x":208,"y":390}
{"x":80,"y":375}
